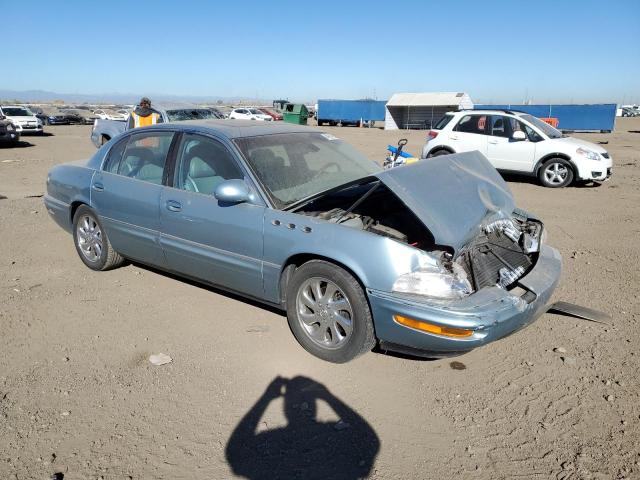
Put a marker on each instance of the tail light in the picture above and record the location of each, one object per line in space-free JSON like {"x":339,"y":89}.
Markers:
{"x":431,"y":135}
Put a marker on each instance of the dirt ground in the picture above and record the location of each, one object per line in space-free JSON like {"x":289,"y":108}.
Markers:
{"x":78,"y":395}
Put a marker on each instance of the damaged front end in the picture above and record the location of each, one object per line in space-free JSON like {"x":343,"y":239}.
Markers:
{"x":458,"y":212}
{"x":479,"y":268}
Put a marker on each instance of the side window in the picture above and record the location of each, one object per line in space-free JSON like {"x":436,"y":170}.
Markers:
{"x":472,"y":124}
{"x":499,"y":126}
{"x":115,"y":156}
{"x":204,"y":163}
{"x":145,"y":156}
{"x":531,"y":133}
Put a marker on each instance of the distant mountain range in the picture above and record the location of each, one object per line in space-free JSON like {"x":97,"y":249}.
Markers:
{"x":36,"y":96}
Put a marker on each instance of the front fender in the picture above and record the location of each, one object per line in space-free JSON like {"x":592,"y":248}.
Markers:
{"x":376,"y":261}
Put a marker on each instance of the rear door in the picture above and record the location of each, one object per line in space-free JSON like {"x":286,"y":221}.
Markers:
{"x":503,"y":151}
{"x":201,"y":237}
{"x":469,"y":134}
{"x":126,"y":194}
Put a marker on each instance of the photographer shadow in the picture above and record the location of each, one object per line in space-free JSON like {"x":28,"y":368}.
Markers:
{"x":306,"y":448}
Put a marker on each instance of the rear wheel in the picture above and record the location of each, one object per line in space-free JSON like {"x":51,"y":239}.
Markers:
{"x":328,"y":312}
{"x":91,"y":241}
{"x":439,"y":153}
{"x":556,"y":173}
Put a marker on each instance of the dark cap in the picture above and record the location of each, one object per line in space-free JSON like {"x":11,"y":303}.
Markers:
{"x":145,"y":100}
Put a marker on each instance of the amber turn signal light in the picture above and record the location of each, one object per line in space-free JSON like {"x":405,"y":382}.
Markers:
{"x":431,"y":328}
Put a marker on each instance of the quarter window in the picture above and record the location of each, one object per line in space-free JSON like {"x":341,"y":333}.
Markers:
{"x":472,"y":124}
{"x":204,"y":163}
{"x":143,"y":158}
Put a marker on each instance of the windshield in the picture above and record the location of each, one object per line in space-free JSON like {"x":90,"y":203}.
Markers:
{"x":189,"y":114}
{"x":547,"y":129}
{"x":16,"y":112}
{"x":294,"y":166}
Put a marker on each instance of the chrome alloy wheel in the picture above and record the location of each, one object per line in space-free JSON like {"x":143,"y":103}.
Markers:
{"x":324,"y":312}
{"x":89,"y":238}
{"x":556,"y":173}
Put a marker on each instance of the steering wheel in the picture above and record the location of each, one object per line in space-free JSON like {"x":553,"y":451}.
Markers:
{"x":328,"y":165}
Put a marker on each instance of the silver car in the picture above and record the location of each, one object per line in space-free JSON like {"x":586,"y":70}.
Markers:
{"x":430,"y":259}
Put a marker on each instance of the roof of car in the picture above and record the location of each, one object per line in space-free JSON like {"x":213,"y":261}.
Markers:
{"x":239,"y":128}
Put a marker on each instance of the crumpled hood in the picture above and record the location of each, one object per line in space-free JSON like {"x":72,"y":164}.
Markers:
{"x":453,"y":195}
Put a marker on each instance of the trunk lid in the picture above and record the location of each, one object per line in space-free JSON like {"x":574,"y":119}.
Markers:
{"x":453,"y":195}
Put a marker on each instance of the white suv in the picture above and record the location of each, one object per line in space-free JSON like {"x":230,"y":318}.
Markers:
{"x":519,"y":142}
{"x":249,"y":114}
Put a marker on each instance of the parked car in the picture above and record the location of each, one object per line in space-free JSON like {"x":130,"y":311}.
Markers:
{"x":59,"y":118}
{"x":630,"y":112}
{"x":79,"y":117}
{"x":249,"y":114}
{"x":519,"y":142}
{"x":431,"y":258}
{"x":105,"y":130}
{"x":275,"y":116}
{"x":23,"y":119}
{"x":217,"y":113}
{"x":8,"y":132}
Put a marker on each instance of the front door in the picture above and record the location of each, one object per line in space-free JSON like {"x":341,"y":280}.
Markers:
{"x":503,"y":151}
{"x":202,"y":237}
{"x":126,"y":195}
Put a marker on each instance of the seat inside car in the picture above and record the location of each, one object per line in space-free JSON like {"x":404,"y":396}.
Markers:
{"x":202,"y":174}
{"x":140,"y":163}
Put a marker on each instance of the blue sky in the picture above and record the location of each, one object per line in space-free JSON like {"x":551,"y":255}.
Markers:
{"x":497,"y":51}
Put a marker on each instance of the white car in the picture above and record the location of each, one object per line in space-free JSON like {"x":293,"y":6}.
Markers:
{"x":519,"y":142}
{"x":249,"y":114}
{"x":23,"y":119}
{"x":103,"y":115}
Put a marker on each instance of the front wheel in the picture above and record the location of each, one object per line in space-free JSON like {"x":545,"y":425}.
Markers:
{"x":556,"y":173}
{"x":328,"y":312}
{"x":91,"y":241}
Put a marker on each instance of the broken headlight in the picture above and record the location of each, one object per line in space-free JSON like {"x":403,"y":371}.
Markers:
{"x":434,"y":283}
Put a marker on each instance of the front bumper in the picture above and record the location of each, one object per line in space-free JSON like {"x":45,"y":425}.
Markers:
{"x":595,"y":170}
{"x":31,"y":129}
{"x":492,"y":313}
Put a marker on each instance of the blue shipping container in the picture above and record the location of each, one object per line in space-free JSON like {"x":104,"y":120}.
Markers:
{"x":351,"y":110}
{"x":570,"y":117}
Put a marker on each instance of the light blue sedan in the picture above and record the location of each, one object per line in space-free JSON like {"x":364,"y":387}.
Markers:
{"x":429,"y":259}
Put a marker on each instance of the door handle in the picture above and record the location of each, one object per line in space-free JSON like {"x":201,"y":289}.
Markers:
{"x":453,"y":137}
{"x":98,"y":187}
{"x":173,"y":206}
{"x":494,"y":142}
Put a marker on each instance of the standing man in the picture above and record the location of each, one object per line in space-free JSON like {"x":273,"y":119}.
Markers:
{"x":144,"y":115}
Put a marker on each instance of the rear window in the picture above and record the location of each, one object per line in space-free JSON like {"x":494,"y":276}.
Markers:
{"x":440,"y":124}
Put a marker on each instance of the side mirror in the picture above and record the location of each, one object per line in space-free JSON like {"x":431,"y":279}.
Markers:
{"x":519,"y":135}
{"x":232,"y":191}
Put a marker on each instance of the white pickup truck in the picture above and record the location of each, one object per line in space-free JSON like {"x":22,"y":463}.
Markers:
{"x":105,"y":130}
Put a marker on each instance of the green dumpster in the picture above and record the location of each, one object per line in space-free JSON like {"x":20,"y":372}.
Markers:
{"x":295,"y":113}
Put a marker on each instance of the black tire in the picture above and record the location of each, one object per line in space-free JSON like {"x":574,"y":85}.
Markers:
{"x":108,"y":257}
{"x":360,"y":340}
{"x":439,"y":153}
{"x":555,"y":173}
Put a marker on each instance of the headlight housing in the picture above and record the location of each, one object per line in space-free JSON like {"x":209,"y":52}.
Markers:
{"x":435,"y":282}
{"x":591,"y":155}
